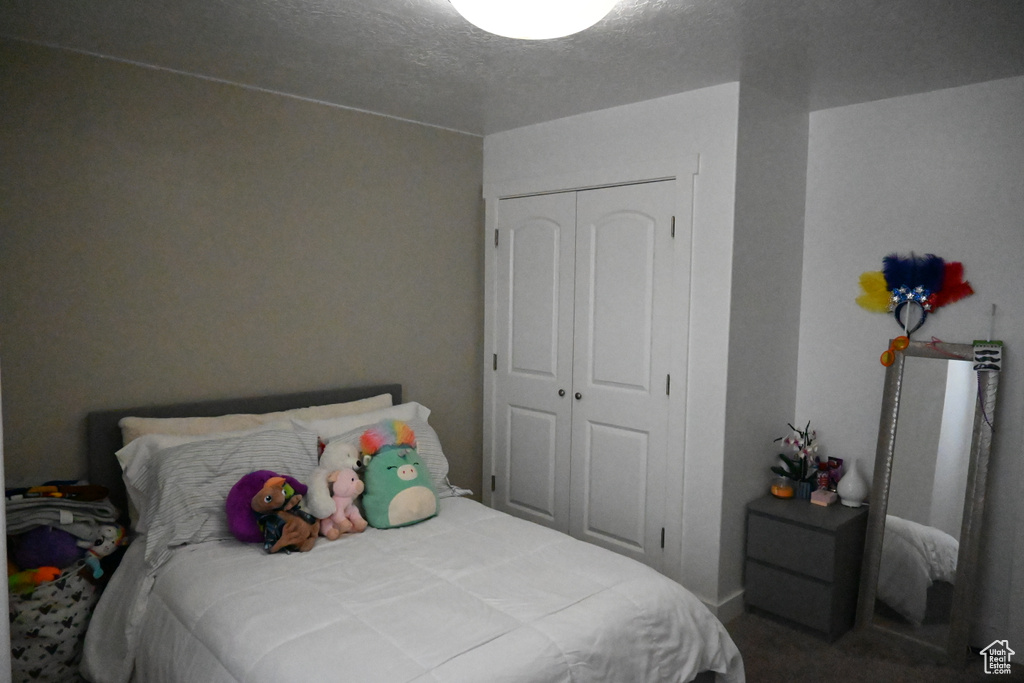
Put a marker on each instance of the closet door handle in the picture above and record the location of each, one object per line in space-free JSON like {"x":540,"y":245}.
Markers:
{"x":578,"y":395}
{"x":561,"y":392}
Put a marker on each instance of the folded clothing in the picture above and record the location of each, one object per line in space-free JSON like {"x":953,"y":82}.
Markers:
{"x":80,"y":515}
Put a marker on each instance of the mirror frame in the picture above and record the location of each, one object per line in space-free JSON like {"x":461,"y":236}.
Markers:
{"x":956,"y":649}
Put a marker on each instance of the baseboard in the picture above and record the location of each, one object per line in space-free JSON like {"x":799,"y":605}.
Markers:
{"x":730,"y":608}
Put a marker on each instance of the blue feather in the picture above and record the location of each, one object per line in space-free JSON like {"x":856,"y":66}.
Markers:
{"x":897,"y":270}
{"x":930,"y":270}
{"x":913,"y":271}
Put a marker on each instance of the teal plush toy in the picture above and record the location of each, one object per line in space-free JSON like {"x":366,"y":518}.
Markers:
{"x":398,"y":487}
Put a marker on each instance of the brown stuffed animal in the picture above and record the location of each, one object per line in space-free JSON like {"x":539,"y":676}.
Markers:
{"x":285,"y":526}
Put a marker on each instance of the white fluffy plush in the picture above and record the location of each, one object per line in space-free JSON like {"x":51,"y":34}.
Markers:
{"x":337,"y":455}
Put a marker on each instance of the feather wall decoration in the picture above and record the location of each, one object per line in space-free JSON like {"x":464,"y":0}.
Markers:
{"x":928,"y":281}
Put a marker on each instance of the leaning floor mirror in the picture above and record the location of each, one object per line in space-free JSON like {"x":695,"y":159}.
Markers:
{"x":928,"y":497}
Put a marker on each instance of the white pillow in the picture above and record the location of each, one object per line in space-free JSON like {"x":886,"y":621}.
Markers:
{"x":183,"y":489}
{"x":134,"y":427}
{"x":427,"y":445}
{"x":339,"y":425}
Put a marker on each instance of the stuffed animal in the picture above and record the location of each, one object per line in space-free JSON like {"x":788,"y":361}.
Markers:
{"x":335,"y":456}
{"x":398,"y":487}
{"x":238,"y":505}
{"x":46,"y":546}
{"x":345,"y":488}
{"x":26,"y":581}
{"x":284,"y":524}
{"x":110,"y":537}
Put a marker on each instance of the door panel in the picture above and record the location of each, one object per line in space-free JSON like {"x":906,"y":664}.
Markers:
{"x":533,"y":297}
{"x":533,"y":435}
{"x":617,"y":486}
{"x":621,"y":279}
{"x":620,"y":367}
{"x":534,"y":316}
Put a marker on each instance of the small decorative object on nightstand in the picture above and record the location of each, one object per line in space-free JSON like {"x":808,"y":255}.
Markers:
{"x":803,"y":562}
{"x":852,"y":488}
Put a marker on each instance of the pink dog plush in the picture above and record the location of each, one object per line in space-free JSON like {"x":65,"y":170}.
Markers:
{"x":345,"y":486}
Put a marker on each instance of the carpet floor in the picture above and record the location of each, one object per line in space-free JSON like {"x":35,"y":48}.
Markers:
{"x":774,"y":651}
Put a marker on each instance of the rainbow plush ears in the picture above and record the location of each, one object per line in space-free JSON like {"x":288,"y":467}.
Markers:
{"x":926,"y":282}
{"x":386,"y":433}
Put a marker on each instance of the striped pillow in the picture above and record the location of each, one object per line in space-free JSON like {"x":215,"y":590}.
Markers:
{"x":185,"y":487}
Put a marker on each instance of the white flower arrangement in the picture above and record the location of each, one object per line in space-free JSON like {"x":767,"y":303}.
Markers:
{"x":804,"y":465}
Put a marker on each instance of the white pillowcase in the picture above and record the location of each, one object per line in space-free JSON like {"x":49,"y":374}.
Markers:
{"x":339,"y":425}
{"x":134,"y":427}
{"x":182,"y":489}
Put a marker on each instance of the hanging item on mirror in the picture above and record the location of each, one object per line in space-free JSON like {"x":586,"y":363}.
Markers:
{"x":988,"y":356}
{"x":911,"y":287}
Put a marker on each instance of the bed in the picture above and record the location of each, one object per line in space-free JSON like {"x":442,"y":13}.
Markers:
{"x":471,"y":594}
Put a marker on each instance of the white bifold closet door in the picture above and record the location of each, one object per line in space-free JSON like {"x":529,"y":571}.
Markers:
{"x":581,"y":396}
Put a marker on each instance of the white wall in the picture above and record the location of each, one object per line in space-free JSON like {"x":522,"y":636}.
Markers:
{"x":764,"y":313}
{"x":599,"y":147}
{"x":941,"y":172}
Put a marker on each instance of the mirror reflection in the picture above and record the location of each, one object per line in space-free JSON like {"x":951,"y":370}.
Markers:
{"x":920,"y":545}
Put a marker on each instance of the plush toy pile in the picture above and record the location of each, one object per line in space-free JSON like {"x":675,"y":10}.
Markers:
{"x":381,"y":483}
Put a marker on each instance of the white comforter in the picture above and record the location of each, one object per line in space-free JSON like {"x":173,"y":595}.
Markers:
{"x":471,"y":595}
{"x":913,"y":557}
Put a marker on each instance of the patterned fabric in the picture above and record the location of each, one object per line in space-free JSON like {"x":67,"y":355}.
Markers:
{"x":48,"y":626}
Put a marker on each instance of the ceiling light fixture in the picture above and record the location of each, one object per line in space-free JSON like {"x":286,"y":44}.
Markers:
{"x":533,"y":19}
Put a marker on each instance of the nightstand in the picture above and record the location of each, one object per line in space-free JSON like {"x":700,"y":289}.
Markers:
{"x":803,"y":562}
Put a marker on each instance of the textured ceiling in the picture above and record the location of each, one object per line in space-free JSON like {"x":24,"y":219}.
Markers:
{"x":419,"y":60}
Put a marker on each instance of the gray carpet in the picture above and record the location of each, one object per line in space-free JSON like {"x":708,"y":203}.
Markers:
{"x":773,"y":651}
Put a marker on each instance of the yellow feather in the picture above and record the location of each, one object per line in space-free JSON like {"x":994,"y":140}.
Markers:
{"x":876,"y":293}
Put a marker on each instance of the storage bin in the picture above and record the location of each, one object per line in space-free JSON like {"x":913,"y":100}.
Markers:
{"x":49,"y":624}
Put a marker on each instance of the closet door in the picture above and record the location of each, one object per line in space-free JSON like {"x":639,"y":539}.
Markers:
{"x":621,"y":364}
{"x":534,"y":321}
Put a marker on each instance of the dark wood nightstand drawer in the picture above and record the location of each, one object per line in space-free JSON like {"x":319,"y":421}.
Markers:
{"x":803,"y":550}
{"x":792,"y":597}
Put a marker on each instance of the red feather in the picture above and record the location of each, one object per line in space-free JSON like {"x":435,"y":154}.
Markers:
{"x":954,"y":287}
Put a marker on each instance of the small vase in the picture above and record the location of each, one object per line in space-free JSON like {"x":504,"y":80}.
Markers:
{"x":852,"y":488}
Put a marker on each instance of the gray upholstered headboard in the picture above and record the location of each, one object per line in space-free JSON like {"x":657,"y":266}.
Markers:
{"x":104,"y":434}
